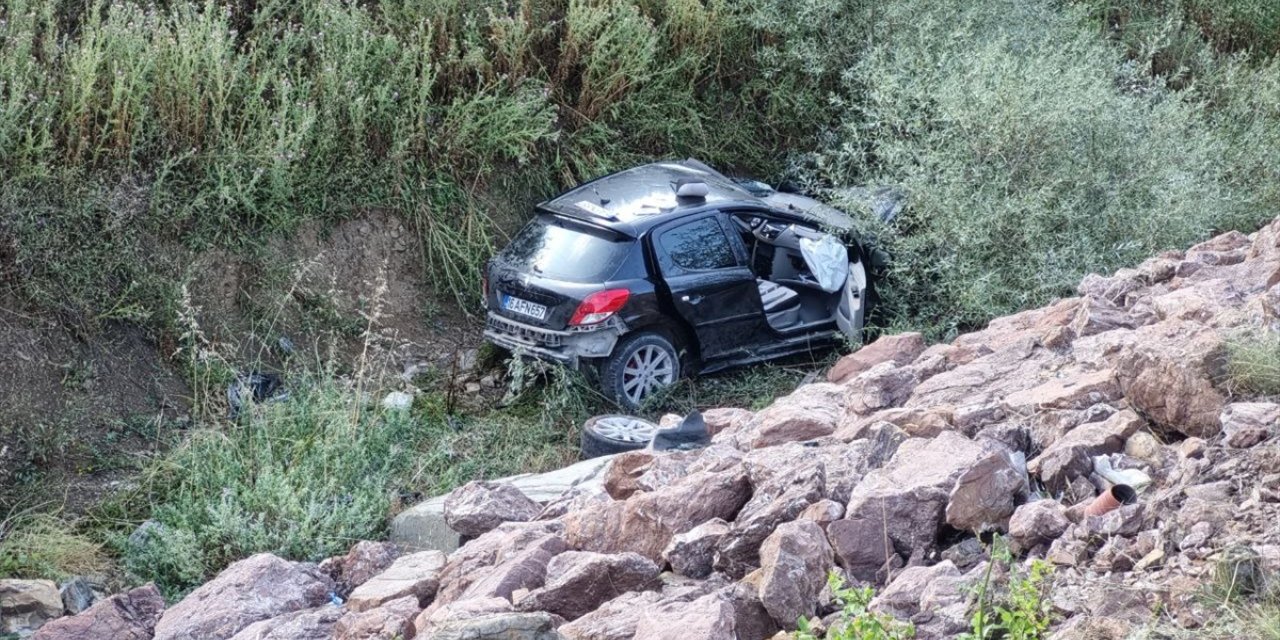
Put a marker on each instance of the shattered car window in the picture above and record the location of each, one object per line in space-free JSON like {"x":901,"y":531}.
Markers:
{"x":564,"y":252}
{"x":697,"y":246}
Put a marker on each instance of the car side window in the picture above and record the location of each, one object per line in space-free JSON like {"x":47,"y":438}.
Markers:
{"x":700,"y":245}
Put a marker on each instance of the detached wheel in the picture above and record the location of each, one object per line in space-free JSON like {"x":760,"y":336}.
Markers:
{"x":639,"y":366}
{"x":609,"y":434}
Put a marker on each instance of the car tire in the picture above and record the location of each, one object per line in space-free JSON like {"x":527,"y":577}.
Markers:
{"x":639,"y":365}
{"x":615,"y":433}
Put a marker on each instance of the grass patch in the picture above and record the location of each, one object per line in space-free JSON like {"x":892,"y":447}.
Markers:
{"x":44,"y":546}
{"x":1243,"y":598}
{"x":307,"y":477}
{"x":1253,"y":364}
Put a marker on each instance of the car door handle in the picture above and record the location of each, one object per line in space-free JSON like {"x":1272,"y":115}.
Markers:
{"x":691,"y":299}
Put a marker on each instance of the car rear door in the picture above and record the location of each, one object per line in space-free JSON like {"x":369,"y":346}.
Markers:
{"x":710,"y":284}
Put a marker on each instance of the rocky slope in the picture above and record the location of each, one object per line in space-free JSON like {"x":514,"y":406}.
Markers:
{"x":886,"y":474}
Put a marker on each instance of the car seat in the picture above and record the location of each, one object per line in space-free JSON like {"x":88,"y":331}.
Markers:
{"x":781,"y":304}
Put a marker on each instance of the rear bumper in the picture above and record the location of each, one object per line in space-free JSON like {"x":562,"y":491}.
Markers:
{"x":564,"y":347}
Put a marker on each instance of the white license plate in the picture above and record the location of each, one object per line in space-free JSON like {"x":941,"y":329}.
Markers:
{"x":524,"y":307}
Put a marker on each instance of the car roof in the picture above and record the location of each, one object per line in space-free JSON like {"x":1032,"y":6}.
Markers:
{"x":635,"y":200}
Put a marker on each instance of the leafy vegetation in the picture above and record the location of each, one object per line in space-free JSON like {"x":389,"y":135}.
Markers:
{"x":200,"y":122}
{"x":856,"y":621}
{"x":308,"y":476}
{"x":1023,"y":610}
{"x":1033,"y":152}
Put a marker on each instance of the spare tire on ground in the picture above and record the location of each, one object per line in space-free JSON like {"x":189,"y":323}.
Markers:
{"x":615,"y":433}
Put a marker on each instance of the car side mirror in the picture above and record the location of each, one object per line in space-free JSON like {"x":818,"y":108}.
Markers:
{"x":692,"y":190}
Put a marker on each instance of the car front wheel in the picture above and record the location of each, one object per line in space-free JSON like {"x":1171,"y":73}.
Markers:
{"x":640,"y":365}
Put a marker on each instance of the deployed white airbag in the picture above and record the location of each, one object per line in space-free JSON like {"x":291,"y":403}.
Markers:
{"x":828,"y":260}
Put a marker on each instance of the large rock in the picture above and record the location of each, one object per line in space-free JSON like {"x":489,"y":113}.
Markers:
{"x":364,"y":560}
{"x":1168,"y":375}
{"x":308,"y":624}
{"x":525,"y":569}
{"x":883,"y":386}
{"x":423,"y":527}
{"x":256,"y":588}
{"x":1072,"y":455}
{"x":902,"y":597}
{"x":580,"y":581}
{"x":475,"y":560}
{"x":781,"y":499}
{"x":1076,"y":391}
{"x":77,"y":595}
{"x":692,"y":553}
{"x":645,"y":523}
{"x":843,"y":464}
{"x":391,"y":621}
{"x":131,"y":615}
{"x":751,"y":620}
{"x":985,"y":496}
{"x":725,"y":420}
{"x":417,"y":575}
{"x":863,"y":547}
{"x":476,"y":508}
{"x":988,"y":380}
{"x":707,"y":618}
{"x":899,"y":349}
{"x":1097,"y":316}
{"x":1036,"y":523}
{"x":917,"y":423}
{"x":794,"y":562}
{"x":498,"y":626}
{"x":908,"y":496}
{"x":812,"y":411}
{"x":25,"y":605}
{"x":614,"y":620}
{"x":1248,"y":423}
{"x":461,"y":610}
{"x":622,"y":474}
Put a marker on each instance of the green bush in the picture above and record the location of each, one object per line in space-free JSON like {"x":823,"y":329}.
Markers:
{"x":856,"y":621}
{"x":1022,"y":610}
{"x":248,"y":117}
{"x":1030,"y":155}
{"x":307,"y":477}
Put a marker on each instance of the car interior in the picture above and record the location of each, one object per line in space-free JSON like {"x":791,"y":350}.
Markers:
{"x":793,"y":297}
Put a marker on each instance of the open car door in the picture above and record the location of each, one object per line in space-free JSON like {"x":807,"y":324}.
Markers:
{"x":851,"y":312}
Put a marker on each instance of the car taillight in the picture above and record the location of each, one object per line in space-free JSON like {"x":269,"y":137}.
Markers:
{"x":599,"y":306}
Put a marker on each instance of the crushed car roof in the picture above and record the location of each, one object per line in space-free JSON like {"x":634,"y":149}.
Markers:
{"x":637,"y":199}
{"x":640,"y":197}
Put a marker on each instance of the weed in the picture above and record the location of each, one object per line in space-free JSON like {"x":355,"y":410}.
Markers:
{"x":43,"y":546}
{"x":1253,"y":364}
{"x":856,"y":621}
{"x":1024,"y":612}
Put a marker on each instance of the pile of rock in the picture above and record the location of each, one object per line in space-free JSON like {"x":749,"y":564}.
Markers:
{"x":885,"y":474}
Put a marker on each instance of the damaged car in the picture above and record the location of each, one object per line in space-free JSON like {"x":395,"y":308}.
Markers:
{"x":672,"y":269}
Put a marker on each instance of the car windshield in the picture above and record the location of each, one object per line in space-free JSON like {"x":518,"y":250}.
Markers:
{"x":555,"y":249}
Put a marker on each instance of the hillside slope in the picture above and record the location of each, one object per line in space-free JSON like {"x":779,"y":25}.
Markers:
{"x":884,"y":477}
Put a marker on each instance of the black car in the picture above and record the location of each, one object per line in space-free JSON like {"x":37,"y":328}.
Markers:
{"x":670,"y":269}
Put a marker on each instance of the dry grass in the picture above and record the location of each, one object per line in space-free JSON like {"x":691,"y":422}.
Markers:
{"x":44,"y":546}
{"x":1253,"y":364}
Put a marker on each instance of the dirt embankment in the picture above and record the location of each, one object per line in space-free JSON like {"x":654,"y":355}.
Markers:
{"x":80,"y":408}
